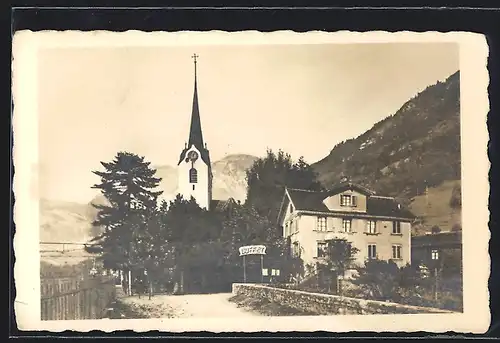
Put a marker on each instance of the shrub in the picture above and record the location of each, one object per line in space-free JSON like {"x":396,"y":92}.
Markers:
{"x":435,"y":229}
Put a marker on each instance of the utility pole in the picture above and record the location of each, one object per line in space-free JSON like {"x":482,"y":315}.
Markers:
{"x":436,"y":258}
{"x":129,"y":282}
{"x":436,"y":284}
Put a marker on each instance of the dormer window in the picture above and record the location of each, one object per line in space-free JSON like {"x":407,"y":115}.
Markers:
{"x":193,"y":175}
{"x":348,"y":200}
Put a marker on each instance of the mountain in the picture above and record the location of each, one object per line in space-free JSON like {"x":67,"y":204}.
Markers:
{"x":71,"y":222}
{"x":230,"y":177}
{"x":62,"y":221}
{"x":168,"y":182}
{"x":415,"y":149}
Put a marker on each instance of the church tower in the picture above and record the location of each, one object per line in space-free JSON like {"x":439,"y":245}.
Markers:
{"x":194,"y":168}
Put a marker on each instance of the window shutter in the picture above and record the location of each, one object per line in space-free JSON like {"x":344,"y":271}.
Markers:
{"x":354,"y":201}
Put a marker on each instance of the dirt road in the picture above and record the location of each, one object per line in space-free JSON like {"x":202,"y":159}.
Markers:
{"x":188,"y":306}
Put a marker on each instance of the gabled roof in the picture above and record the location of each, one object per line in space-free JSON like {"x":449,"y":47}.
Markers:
{"x":344,"y":186}
{"x":386,"y":206}
{"x":308,"y":200}
{"x":305,"y":200}
{"x":442,"y":239}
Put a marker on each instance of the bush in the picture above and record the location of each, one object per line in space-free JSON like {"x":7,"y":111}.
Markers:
{"x":435,"y":229}
{"x":456,"y":197}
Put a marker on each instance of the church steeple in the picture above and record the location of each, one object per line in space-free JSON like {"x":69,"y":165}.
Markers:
{"x":195,"y":133}
{"x":194,"y":167}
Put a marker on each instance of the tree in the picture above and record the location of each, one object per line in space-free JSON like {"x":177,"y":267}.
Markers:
{"x":241,"y":225}
{"x":188,"y":226}
{"x":338,"y":258}
{"x":435,"y":229}
{"x":456,"y":197}
{"x":412,"y":284}
{"x":378,"y":280}
{"x":128,"y":185}
{"x":268,"y":176}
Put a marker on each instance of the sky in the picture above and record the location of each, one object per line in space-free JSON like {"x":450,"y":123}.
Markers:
{"x":303,"y":99}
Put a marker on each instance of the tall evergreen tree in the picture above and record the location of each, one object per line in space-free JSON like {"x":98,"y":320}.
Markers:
{"x":128,"y":185}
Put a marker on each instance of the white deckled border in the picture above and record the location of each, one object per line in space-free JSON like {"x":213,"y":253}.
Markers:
{"x":475,"y":187}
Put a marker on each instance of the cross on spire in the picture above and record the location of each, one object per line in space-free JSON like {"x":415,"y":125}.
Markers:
{"x":194,"y":57}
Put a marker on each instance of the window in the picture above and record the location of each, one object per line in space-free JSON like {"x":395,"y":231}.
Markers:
{"x":321,"y":224}
{"x":321,"y":249}
{"x":372,"y":251}
{"x":286,"y":230}
{"x":345,"y":200}
{"x":396,"y":228}
{"x":290,"y":229}
{"x":396,"y":252}
{"x":193,"y":175}
{"x":346,"y":225}
{"x":435,"y":254}
{"x":371,"y":227}
{"x":291,"y":208}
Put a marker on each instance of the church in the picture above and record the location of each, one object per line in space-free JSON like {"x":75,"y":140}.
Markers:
{"x":195,"y":178}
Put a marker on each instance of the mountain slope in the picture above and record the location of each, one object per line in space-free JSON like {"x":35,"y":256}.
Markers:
{"x":71,"y":222}
{"x":419,"y":144}
{"x":65,"y":221}
{"x":415,"y":149}
{"x":230,"y":177}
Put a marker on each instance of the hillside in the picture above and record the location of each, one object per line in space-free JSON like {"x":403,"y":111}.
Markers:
{"x":419,"y":143}
{"x":65,"y":221}
{"x":399,"y":156}
{"x":434,"y":208}
{"x":229,"y":178}
{"x":71,"y":222}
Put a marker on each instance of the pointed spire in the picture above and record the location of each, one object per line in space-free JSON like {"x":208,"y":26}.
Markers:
{"x":195,"y":134}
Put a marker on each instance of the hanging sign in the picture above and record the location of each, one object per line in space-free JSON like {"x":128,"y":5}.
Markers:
{"x":252,"y":250}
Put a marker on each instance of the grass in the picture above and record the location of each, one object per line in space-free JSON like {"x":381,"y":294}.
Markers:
{"x":266,"y":307}
{"x":122,"y":310}
{"x":435,"y":208}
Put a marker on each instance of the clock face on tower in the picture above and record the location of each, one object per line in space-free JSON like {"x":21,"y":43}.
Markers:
{"x":193,"y":156}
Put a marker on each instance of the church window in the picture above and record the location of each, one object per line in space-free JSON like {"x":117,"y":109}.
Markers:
{"x":193,"y":176}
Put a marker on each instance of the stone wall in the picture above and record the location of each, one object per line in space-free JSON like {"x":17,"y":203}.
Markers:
{"x":326,"y":304}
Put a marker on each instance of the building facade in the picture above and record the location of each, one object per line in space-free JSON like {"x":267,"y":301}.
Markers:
{"x":434,"y":248}
{"x":378,"y":226}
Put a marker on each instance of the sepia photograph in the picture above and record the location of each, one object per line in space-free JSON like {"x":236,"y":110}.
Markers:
{"x":204,"y":181}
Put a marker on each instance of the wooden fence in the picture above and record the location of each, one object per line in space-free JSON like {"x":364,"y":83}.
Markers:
{"x":73,"y":299}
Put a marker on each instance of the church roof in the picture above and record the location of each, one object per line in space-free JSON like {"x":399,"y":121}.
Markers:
{"x":195,"y":132}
